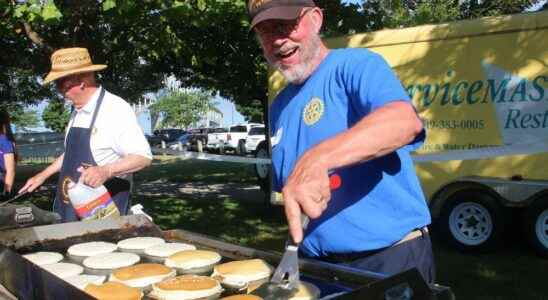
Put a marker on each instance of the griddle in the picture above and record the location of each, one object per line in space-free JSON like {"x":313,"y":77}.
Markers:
{"x":27,"y":281}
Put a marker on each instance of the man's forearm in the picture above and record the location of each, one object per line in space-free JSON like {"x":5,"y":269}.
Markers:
{"x":385,"y":130}
{"x":128,"y":164}
{"x":53,"y":168}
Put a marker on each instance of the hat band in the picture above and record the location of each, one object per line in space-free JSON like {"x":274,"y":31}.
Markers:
{"x":70,"y":68}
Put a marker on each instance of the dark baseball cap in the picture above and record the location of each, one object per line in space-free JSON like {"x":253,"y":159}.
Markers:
{"x":262,"y":10}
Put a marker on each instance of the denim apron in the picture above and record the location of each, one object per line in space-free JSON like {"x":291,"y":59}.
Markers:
{"x":77,"y":154}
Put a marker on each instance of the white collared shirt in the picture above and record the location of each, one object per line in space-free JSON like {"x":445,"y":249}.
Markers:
{"x":116,"y":132}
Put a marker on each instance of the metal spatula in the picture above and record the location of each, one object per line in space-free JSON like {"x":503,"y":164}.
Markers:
{"x":14,"y":198}
{"x":285,"y":280}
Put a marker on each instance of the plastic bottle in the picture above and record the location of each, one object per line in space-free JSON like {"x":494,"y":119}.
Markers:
{"x":92,"y":203}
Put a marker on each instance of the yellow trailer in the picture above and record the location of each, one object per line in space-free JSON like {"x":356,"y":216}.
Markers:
{"x":481,"y":88}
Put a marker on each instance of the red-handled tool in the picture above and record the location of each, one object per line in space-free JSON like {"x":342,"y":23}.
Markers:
{"x":285,"y":280}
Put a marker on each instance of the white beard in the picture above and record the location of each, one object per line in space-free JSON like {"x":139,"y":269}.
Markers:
{"x":298,"y":74}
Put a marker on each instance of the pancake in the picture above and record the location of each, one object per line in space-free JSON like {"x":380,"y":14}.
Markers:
{"x":103,"y":264}
{"x":160,"y":252}
{"x":186,"y":287}
{"x":91,"y":249}
{"x":242,"y":297}
{"x":82,"y":280}
{"x":243,"y":273}
{"x":138,"y":244}
{"x":44,"y":258}
{"x":142,"y":275}
{"x":193,"y":261}
{"x":113,"y":291}
{"x":63,"y":270}
{"x":307,"y":291}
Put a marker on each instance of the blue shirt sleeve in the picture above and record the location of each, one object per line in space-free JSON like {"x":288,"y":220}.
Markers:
{"x":373,"y":84}
{"x":6,"y":146}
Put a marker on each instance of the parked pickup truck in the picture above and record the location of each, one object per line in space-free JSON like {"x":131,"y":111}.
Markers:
{"x":235,"y":139}
{"x":254,"y":137}
{"x":198,"y":138}
{"x":216,"y":139}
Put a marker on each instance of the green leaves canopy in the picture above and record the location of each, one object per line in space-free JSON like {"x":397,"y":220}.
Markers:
{"x":204,"y":43}
{"x":181,"y":108}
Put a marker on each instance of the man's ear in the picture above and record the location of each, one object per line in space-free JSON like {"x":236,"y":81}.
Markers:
{"x":317,"y":19}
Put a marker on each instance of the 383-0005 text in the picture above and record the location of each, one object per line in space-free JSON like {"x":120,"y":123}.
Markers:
{"x":455,"y":124}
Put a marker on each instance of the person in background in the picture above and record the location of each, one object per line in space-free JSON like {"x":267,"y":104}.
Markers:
{"x":343,"y":112}
{"x":8,"y":153}
{"x":104,"y":144}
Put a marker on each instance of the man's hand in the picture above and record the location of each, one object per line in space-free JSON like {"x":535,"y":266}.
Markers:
{"x":94,"y":176}
{"x":307,"y":189}
{"x":33,"y":183}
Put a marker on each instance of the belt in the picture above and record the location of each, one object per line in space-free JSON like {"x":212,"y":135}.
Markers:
{"x":348,"y":257}
{"x":412,"y":235}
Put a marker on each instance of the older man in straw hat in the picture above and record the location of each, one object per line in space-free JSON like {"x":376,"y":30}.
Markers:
{"x":103,"y":144}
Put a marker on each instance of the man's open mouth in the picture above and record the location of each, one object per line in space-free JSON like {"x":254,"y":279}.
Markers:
{"x":286,"y":54}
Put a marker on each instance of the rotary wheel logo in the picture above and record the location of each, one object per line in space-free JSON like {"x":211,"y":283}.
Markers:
{"x":313,"y":111}
{"x":64,"y":189}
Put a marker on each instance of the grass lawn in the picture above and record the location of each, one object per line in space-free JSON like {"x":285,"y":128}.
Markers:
{"x":220,"y":200}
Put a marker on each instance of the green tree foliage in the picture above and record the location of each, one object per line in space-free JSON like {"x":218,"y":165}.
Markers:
{"x":181,"y":108}
{"x":394,"y":14}
{"x":204,"y":43}
{"x":22,"y":118}
{"x":25,"y":119}
{"x":56,"y":115}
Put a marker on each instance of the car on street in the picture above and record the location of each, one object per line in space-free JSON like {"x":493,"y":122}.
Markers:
{"x":169,"y":135}
{"x":235,"y":139}
{"x":254,"y":137}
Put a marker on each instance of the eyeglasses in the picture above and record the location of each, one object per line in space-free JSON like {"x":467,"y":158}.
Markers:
{"x":280,"y":27}
{"x":68,"y":80}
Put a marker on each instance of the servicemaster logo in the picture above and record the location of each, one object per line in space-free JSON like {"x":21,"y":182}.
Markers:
{"x":313,"y":111}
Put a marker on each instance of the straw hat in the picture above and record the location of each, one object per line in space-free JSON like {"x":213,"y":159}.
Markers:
{"x":70,"y":61}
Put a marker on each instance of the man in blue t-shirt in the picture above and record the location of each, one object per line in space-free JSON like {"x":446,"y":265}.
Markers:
{"x":343,"y":112}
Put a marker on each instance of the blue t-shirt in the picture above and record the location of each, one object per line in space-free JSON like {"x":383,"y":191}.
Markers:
{"x":381,"y":200}
{"x":6,"y":146}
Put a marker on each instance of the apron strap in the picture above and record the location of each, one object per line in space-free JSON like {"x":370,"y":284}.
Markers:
{"x":99,"y":101}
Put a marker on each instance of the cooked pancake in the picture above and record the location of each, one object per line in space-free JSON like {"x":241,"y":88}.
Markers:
{"x":113,"y":291}
{"x":167,"y":249}
{"x":44,"y":258}
{"x":242,"y":272}
{"x":139,"y":243}
{"x":82,"y":280}
{"x":186,"y":287}
{"x":307,"y":291}
{"x":63,"y":270}
{"x":242,"y":297}
{"x":142,"y":275}
{"x":192,"y":259}
{"x":112,"y":260}
{"x":91,"y":248}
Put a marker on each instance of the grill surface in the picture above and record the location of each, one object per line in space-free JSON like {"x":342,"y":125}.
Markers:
{"x":27,"y":281}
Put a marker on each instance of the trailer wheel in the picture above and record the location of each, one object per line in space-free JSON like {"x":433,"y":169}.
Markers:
{"x":536,"y":222}
{"x":263,"y":170}
{"x":472,"y":220}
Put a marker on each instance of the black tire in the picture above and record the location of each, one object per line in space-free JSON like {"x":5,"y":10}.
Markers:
{"x":472,"y":221}
{"x":240,"y":149}
{"x":536,"y":226}
{"x":263,"y":171}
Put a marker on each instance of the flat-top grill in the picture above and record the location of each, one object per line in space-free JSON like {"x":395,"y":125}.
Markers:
{"x":27,"y":281}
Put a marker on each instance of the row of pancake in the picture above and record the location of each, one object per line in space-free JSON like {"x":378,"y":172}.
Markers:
{"x":151,"y":267}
